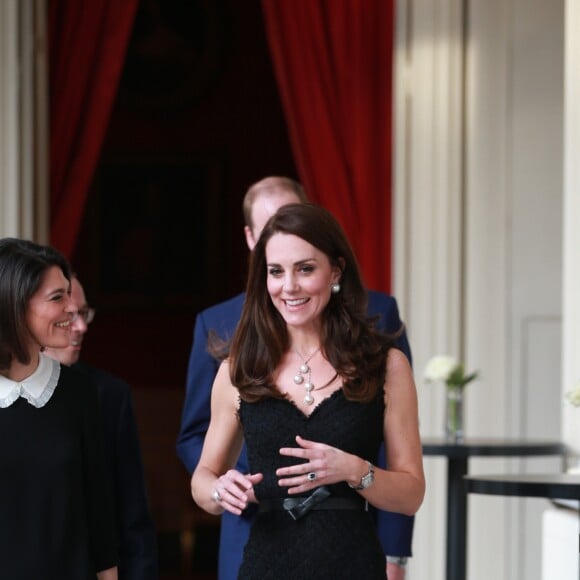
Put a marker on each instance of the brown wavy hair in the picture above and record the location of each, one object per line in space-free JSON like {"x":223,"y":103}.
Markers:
{"x":349,"y":340}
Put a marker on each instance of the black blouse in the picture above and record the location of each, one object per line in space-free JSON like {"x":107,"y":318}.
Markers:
{"x":56,"y":516}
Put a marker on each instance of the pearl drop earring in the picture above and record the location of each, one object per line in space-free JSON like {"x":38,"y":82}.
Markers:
{"x":335,"y":288}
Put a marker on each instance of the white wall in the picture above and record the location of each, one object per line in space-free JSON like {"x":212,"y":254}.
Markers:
{"x":514,"y":265}
{"x":501,"y":306}
{"x":571,"y":290}
{"x":428,"y":232}
{"x":560,"y":527}
{"x":560,"y":544}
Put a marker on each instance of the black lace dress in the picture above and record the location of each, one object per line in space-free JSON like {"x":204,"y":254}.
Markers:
{"x":324,"y":543}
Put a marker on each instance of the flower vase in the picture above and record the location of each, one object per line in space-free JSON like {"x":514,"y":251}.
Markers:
{"x":454,"y":413}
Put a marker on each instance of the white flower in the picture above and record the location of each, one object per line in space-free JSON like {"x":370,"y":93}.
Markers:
{"x":573,"y":396}
{"x":440,"y":367}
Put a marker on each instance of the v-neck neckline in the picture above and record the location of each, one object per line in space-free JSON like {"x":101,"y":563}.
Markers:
{"x":314,"y":408}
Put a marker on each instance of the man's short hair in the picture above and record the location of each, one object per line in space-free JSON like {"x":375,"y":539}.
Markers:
{"x":270,"y":186}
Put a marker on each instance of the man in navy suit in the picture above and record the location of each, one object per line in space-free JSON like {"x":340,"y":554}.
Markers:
{"x":135,"y":529}
{"x":260,"y":203}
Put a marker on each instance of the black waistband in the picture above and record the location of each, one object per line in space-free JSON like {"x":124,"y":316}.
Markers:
{"x":320,"y":499}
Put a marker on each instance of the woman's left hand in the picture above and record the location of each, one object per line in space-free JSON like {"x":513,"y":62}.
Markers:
{"x":323,"y":465}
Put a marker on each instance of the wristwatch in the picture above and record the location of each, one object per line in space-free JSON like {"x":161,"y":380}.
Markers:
{"x":400,"y":561}
{"x":366,"y":480}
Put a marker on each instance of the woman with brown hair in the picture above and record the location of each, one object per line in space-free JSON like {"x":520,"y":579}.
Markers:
{"x":317,"y":390}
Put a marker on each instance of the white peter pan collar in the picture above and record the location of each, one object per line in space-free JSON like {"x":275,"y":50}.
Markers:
{"x":37,"y":389}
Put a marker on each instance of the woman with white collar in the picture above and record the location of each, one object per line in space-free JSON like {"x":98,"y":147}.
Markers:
{"x":57,"y":518}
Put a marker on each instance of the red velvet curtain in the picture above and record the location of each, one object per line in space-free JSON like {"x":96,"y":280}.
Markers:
{"x":86,"y":53}
{"x":333,"y":64}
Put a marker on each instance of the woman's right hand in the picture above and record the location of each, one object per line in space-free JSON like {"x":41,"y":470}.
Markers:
{"x":233,"y":491}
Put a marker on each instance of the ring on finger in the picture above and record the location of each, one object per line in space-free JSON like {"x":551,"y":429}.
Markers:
{"x":311,"y":476}
{"x":215,"y":495}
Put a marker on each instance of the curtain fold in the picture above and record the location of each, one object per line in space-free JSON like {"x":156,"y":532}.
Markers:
{"x":333,"y":64}
{"x":87,"y":44}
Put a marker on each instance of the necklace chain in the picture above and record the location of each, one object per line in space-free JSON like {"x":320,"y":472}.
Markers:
{"x":309,"y":358}
{"x":305,"y":370}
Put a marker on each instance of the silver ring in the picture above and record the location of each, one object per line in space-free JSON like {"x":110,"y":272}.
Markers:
{"x":216,"y":496}
{"x":311,"y":476}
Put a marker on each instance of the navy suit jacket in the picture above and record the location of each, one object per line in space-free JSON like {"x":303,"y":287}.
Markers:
{"x":395,"y":530}
{"x":135,"y":529}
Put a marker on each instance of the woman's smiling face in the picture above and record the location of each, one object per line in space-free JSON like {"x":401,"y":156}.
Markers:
{"x":299,"y":279}
{"x":50,"y":311}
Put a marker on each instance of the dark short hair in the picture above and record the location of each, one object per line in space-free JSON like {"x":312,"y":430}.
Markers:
{"x":348,"y":339}
{"x":22,"y":266}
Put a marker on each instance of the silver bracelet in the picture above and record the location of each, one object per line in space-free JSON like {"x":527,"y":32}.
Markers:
{"x":400,"y":561}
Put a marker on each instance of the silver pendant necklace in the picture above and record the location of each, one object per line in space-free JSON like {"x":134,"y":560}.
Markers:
{"x":303,"y":371}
